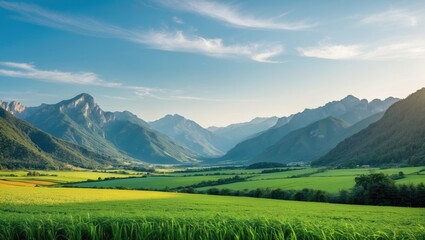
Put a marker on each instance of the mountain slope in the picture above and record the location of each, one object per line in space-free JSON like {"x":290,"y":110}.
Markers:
{"x":145,"y":144}
{"x":24,"y":146}
{"x":312,"y":142}
{"x":240,"y":131}
{"x":348,"y":109}
{"x":191,"y":135}
{"x":398,"y":137}
{"x":128,"y":116}
{"x":80,"y":120}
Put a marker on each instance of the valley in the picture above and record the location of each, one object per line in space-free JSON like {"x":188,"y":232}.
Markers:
{"x":171,"y":178}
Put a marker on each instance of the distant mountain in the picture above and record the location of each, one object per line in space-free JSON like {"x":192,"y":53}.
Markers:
{"x":192,"y":136}
{"x":80,"y":120}
{"x":146,"y":144}
{"x":128,"y":116}
{"x":24,"y":146}
{"x":349,"y":109}
{"x":240,"y":131}
{"x":312,"y":142}
{"x":398,"y":137}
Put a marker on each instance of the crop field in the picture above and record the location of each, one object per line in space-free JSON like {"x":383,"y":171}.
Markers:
{"x":222,"y":172}
{"x":358,"y":171}
{"x":286,"y":174}
{"x":20,"y":178}
{"x":329,"y":184}
{"x":154,"y":182}
{"x":332,"y":180}
{"x":40,"y":213}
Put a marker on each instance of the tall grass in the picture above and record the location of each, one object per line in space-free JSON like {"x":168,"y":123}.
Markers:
{"x":82,"y":228}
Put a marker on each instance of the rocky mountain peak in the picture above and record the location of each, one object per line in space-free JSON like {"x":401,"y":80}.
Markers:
{"x":13,"y":107}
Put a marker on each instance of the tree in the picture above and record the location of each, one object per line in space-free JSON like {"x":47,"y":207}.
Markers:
{"x":375,"y":189}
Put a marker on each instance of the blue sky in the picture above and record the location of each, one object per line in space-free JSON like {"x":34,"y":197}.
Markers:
{"x":216,"y":62}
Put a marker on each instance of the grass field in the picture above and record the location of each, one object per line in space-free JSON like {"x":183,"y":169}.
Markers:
{"x":329,"y":184}
{"x":332,"y":180}
{"x":358,"y":171}
{"x":156,"y":182}
{"x":39,"y":213}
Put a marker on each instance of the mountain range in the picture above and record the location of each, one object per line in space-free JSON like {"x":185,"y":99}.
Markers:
{"x":238,"y":132}
{"x":192,"y":136}
{"x":397,"y":138}
{"x":78,"y":133}
{"x":349,"y":109}
{"x":24,"y":146}
{"x":312,"y":142}
{"x":121,"y":136}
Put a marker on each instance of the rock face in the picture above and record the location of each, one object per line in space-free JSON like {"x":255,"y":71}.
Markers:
{"x":80,"y":120}
{"x":14,"y":107}
{"x":397,"y":138}
{"x":350,"y":110}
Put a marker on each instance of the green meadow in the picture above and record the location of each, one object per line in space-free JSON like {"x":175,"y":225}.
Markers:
{"x":40,"y":213}
{"x":330,"y":180}
{"x":51,"y":211}
{"x":151,"y":182}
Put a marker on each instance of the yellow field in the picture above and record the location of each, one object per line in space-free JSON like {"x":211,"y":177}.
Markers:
{"x":26,"y":195}
{"x":4,"y":183}
{"x":20,"y":178}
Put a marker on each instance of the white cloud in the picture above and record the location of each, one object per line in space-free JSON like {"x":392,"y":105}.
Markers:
{"x":175,"y":41}
{"x":232,"y":15}
{"x":391,"y":51}
{"x":26,"y":70}
{"x":332,"y":51}
{"x":393,"y":16}
{"x":266,"y":55}
{"x":30,"y":71}
{"x":178,"y":41}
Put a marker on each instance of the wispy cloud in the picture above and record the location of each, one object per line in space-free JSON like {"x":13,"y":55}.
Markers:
{"x":30,"y":71}
{"x":232,"y":15}
{"x":178,"y":41}
{"x":26,"y":70}
{"x":82,"y":25}
{"x":178,"y":20}
{"x":391,"y":51}
{"x":332,"y":51}
{"x":175,"y":41}
{"x":393,"y":16}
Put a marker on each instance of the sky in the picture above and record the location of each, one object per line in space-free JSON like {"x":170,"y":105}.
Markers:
{"x":215,"y":62}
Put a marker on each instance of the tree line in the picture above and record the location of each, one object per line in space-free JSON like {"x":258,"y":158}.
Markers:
{"x":370,"y":189}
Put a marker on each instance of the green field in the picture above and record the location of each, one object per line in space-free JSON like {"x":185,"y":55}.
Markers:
{"x":39,"y":213}
{"x":331,"y":180}
{"x":153,"y":182}
{"x":358,"y":171}
{"x":329,"y":184}
{"x":84,"y":213}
